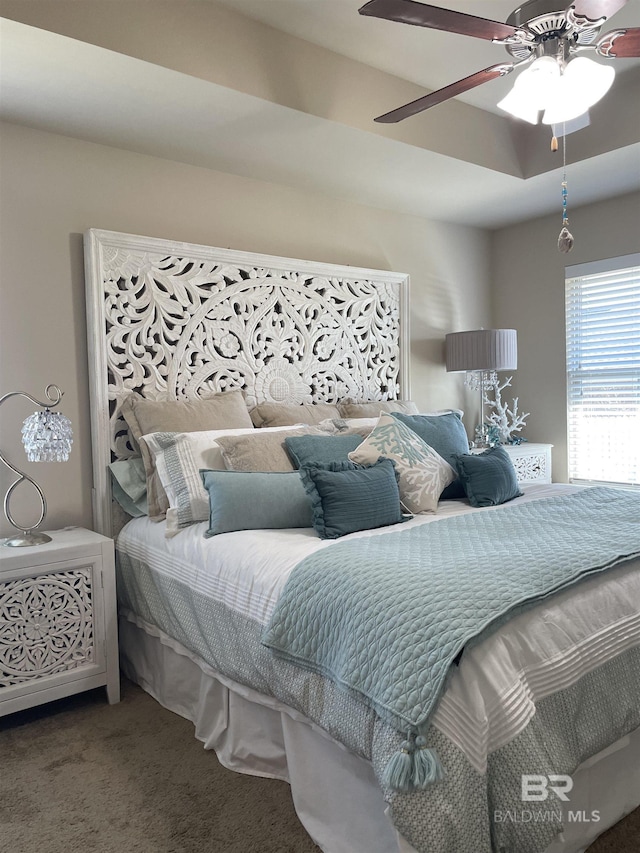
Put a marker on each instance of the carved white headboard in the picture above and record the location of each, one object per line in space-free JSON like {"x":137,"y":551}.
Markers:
{"x":175,"y":321}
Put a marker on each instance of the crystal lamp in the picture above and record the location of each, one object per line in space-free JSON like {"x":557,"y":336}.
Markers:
{"x":47,"y":437}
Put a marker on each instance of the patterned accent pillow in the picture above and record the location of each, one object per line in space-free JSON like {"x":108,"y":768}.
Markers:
{"x":446,"y":434}
{"x":423,"y":473}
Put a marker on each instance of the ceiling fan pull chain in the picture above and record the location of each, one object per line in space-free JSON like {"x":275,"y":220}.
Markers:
{"x":565,"y":238}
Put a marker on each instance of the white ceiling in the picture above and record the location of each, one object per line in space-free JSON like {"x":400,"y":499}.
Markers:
{"x":67,"y":86}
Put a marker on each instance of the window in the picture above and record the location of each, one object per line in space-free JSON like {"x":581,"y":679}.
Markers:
{"x":603,"y":371}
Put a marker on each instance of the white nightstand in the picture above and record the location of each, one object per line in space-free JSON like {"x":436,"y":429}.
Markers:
{"x":58,"y":623}
{"x":531,"y":461}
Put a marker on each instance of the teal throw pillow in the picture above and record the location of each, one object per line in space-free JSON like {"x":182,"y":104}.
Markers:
{"x":322,"y":449}
{"x":489,"y":478}
{"x":242,"y":500}
{"x":448,"y":437}
{"x":346,"y":497}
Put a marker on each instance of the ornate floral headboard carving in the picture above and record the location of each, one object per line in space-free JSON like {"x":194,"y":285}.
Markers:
{"x":175,"y":321}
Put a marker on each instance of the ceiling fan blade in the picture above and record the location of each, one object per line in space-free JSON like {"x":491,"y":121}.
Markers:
{"x":450,"y":91}
{"x":423,"y":15}
{"x":623,"y":44}
{"x":589,"y":12}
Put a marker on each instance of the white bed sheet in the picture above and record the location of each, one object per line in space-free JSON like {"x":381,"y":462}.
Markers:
{"x":491,"y":695}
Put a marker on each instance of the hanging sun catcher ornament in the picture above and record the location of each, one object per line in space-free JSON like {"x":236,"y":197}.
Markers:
{"x":565,"y":238}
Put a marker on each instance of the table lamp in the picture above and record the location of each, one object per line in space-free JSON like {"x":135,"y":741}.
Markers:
{"x":481,"y":353}
{"x":47,"y":437}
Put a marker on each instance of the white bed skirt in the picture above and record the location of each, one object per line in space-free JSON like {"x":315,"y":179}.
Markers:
{"x":255,"y":734}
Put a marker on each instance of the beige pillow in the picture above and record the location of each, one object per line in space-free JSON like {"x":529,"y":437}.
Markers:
{"x":373,"y":408}
{"x":283,"y":414}
{"x":222,"y":411}
{"x":261,"y":451}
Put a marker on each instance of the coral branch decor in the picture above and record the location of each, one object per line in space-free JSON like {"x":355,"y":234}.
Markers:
{"x":507,"y":421}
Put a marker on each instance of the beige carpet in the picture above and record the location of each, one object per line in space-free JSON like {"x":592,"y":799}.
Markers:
{"x":80,"y":776}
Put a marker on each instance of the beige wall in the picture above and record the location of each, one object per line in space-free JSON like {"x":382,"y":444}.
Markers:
{"x":528,"y":275}
{"x":53,"y":188}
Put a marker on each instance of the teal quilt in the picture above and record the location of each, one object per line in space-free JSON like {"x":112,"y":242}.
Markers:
{"x":384,"y":617}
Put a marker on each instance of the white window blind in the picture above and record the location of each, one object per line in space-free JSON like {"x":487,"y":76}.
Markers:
{"x":603,"y":371}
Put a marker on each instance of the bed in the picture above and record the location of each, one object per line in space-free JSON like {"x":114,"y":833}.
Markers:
{"x":551,"y":692}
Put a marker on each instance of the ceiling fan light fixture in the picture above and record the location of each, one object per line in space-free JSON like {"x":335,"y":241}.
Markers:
{"x":564,"y":95}
{"x":532,"y":90}
{"x":518,"y":103}
{"x":542,"y":31}
{"x":561,"y":110}
{"x":591,"y":79}
{"x":538,"y":82}
{"x":582,"y":84}
{"x":519,"y":107}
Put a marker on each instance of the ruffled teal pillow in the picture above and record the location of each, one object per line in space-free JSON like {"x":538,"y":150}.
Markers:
{"x":346,"y":497}
{"x":488,"y":478}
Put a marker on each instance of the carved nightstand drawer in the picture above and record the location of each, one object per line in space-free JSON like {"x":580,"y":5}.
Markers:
{"x":57,"y":620}
{"x":531,"y":461}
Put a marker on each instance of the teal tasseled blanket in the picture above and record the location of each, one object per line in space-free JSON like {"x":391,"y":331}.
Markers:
{"x":385,"y":616}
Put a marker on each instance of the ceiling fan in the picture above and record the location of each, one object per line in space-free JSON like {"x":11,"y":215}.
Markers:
{"x":559,"y":81}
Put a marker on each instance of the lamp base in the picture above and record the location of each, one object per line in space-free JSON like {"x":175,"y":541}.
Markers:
{"x":481,"y":438}
{"x":26,"y":539}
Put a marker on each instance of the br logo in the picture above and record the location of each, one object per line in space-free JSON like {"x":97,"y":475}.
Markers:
{"x":535,"y":787}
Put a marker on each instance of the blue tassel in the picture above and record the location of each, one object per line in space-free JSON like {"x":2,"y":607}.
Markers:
{"x":398,"y":774}
{"x":426,"y":765}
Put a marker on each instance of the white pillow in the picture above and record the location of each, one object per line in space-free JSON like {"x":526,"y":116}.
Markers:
{"x":422,"y":473}
{"x":178,"y":458}
{"x":361,"y":423}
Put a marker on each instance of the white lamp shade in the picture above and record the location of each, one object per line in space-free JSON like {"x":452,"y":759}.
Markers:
{"x":532,"y":89}
{"x":47,"y":437}
{"x":538,"y":82}
{"x":583,"y":83}
{"x":563,"y":107}
{"x":482,"y":349}
{"x":591,"y":80}
{"x":519,"y":107}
